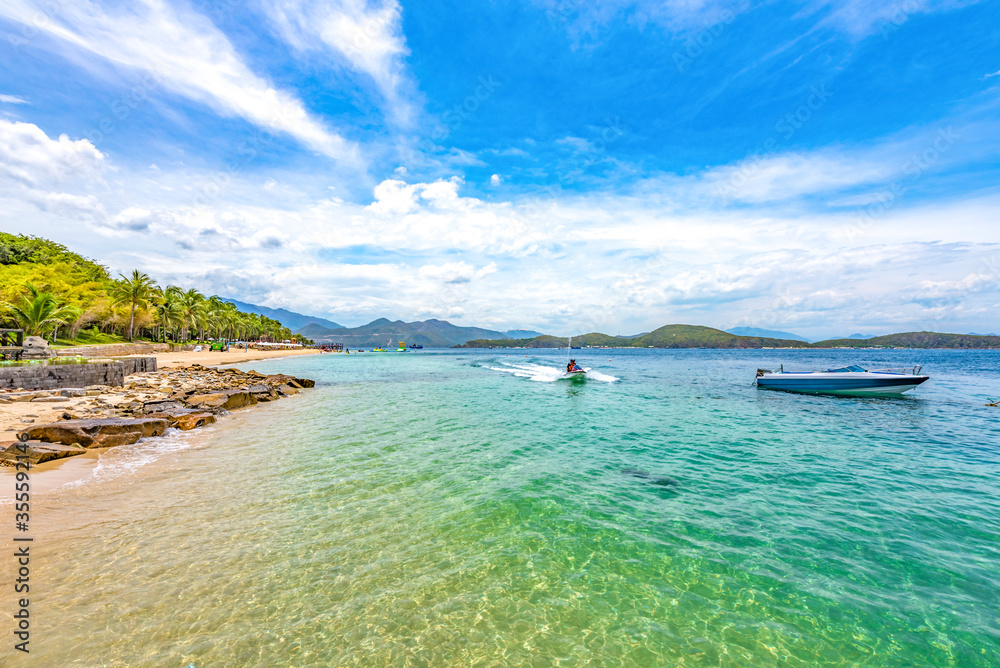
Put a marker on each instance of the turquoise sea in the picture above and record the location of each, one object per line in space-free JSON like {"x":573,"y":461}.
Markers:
{"x":468,"y":508}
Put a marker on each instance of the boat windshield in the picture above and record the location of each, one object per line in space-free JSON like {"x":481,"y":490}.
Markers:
{"x":854,"y":368}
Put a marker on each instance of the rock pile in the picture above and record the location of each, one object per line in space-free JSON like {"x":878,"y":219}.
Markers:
{"x":149,"y":403}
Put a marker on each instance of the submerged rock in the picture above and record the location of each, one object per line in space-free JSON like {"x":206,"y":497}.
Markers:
{"x":659,"y":481}
{"x":98,"y":433}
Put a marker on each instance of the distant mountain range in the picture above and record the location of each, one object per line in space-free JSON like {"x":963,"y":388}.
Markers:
{"x":767,"y":333}
{"x":290,"y":319}
{"x":383,"y":332}
{"x":442,"y":334}
{"x":694,"y":336}
{"x":669,"y":336}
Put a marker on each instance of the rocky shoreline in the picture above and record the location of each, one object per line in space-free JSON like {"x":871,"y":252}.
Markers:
{"x":145,"y":406}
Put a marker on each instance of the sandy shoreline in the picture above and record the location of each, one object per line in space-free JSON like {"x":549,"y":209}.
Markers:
{"x":53,"y":474}
{"x":206,"y":358}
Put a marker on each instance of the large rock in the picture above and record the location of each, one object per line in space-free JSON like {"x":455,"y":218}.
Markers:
{"x":37,"y":452}
{"x":100,"y":433}
{"x":263,"y":392}
{"x":162,"y":406}
{"x":189,"y":421}
{"x":186,"y":419}
{"x":219,"y":401}
{"x":285,"y":379}
{"x":35,"y":347}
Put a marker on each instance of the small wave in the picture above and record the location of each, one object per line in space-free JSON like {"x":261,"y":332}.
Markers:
{"x":126,"y":459}
{"x":546,"y":374}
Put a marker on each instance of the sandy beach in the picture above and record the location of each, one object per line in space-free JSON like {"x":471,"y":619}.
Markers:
{"x":167,"y":360}
{"x":49,"y":475}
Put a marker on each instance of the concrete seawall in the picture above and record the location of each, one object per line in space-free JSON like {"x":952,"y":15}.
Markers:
{"x":54,"y":376}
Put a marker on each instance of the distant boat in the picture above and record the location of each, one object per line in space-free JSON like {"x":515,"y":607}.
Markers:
{"x":416,"y":346}
{"x":851,"y":380}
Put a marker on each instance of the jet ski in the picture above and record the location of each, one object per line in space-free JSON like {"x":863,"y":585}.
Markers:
{"x":576,"y":371}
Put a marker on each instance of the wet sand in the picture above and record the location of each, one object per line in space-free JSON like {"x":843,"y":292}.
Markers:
{"x":50,"y":475}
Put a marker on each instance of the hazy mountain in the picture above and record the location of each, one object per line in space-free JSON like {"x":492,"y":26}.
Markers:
{"x":290,"y":319}
{"x":768,"y":333}
{"x":522,"y":333}
{"x":382,"y":332}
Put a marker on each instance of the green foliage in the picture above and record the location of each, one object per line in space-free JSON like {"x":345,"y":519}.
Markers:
{"x":20,"y":249}
{"x":82,"y":297}
{"x":40,"y":312}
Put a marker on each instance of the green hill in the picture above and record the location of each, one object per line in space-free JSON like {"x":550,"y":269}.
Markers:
{"x":916,"y":340}
{"x":24,"y":260}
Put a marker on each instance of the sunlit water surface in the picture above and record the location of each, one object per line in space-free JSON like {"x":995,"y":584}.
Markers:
{"x":461,"y":508}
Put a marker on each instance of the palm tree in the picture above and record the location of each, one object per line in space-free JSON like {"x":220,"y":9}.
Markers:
{"x":137,"y":290}
{"x":38,"y":311}
{"x":189,"y":307}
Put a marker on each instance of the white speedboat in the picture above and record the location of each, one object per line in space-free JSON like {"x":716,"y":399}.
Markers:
{"x":846,"y":380}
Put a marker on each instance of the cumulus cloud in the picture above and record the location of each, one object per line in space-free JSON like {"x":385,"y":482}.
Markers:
{"x":28,"y":155}
{"x":186,"y":54}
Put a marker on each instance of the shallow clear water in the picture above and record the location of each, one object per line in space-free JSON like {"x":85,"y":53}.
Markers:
{"x":468,"y":508}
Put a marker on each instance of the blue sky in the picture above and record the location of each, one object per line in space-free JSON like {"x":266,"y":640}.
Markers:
{"x":818,"y":167}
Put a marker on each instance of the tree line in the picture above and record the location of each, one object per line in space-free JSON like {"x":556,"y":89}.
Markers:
{"x":136,"y":306}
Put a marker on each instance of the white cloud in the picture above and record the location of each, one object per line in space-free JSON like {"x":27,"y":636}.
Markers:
{"x":12,"y":99}
{"x":368,"y":35}
{"x":864,"y":17}
{"x":788,"y":175}
{"x":186,"y":54}
{"x":496,"y":180}
{"x":30,"y":157}
{"x":619,"y":263}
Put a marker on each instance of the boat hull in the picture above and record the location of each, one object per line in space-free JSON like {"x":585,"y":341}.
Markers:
{"x":843,"y":384}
